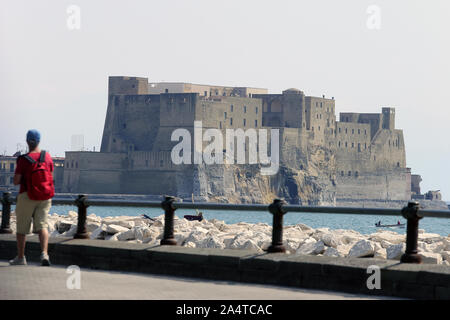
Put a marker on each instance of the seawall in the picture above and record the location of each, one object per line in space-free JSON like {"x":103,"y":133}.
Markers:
{"x":325,"y":273}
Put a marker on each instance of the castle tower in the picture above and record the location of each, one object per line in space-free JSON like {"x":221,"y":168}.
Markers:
{"x":127,"y":85}
{"x":388,"y":118}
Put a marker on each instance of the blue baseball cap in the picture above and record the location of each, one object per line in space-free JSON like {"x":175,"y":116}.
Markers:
{"x":33,"y":135}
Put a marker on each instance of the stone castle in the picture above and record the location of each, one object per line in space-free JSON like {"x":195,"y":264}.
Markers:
{"x":358,"y":159}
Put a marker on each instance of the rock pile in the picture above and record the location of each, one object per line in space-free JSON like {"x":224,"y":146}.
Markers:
{"x":299,"y":239}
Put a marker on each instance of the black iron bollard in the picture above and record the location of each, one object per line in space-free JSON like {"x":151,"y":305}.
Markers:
{"x":411,"y":213}
{"x":82,"y":204}
{"x":6,"y":213}
{"x":169,"y":213}
{"x":276,"y":208}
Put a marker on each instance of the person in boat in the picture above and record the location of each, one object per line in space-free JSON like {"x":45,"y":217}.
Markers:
{"x":398,"y":222}
{"x":378,"y":223}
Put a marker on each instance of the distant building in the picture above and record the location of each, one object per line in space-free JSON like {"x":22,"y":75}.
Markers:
{"x":8,"y":166}
{"x":360,"y":157}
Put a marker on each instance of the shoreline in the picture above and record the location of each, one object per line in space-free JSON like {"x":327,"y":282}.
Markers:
{"x":299,"y":239}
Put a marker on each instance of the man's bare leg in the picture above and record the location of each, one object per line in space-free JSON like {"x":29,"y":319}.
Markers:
{"x":43,"y":238}
{"x":21,"y":238}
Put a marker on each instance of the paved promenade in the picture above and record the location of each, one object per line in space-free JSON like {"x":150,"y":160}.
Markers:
{"x":36,"y":282}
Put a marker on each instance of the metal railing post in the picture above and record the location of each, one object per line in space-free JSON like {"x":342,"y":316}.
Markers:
{"x":411,"y":213}
{"x":82,"y":204}
{"x":169,"y":213}
{"x":6,"y":213}
{"x":276,"y":208}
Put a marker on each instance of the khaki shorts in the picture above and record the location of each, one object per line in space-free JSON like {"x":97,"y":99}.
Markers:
{"x":28,"y":210}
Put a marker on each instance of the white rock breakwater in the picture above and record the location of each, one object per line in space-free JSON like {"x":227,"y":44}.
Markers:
{"x":299,"y":239}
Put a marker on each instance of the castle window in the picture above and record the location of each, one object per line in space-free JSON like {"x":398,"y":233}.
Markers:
{"x":398,"y":164}
{"x":166,"y":90}
{"x":346,"y":144}
{"x":353,"y":131}
{"x":319,"y":128}
{"x":339,"y":130}
{"x":225,"y":115}
{"x":256,"y":110}
{"x":321,"y":104}
{"x":124,"y":125}
{"x":349,"y":173}
{"x":220,"y":124}
{"x":339,"y":144}
{"x":359,"y":147}
{"x":346,"y":130}
{"x":245,"y":122}
{"x":256,"y":123}
{"x":365,"y":145}
{"x":353,"y":145}
{"x":365,"y":131}
{"x":231,"y":121}
{"x":245,"y":109}
{"x":206,"y":93}
{"x":359,"y":131}
{"x":317,"y":116}
{"x":356,"y":174}
{"x":342,"y":173}
{"x":231,"y":108}
{"x":312,"y":128}
{"x":320,"y":116}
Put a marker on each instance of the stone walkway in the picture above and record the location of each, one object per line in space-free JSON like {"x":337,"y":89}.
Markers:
{"x":36,"y":282}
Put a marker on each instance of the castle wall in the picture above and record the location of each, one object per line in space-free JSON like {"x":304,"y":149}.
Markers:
{"x":132,"y":123}
{"x":93,"y":172}
{"x":320,"y":119}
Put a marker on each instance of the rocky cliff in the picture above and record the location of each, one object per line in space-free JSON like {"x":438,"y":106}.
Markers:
{"x":306,"y":178}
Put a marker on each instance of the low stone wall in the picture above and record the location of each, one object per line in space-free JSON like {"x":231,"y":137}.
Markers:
{"x":325,"y":273}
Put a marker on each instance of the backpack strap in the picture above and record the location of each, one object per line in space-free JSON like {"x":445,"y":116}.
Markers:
{"x":30,"y":159}
{"x":42,"y":157}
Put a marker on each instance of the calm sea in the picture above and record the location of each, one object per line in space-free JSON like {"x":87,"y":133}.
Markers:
{"x":358,"y":222}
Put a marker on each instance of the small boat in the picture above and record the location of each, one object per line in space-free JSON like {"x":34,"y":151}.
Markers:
{"x":379,"y":225}
{"x":197,"y":217}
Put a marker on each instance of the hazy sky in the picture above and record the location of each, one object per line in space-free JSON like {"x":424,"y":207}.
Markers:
{"x":55,"y":79}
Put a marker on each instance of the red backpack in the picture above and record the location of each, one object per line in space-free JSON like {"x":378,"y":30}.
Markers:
{"x":40,"y":180}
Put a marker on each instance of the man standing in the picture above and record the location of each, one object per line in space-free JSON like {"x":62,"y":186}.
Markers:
{"x":34,"y":173}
